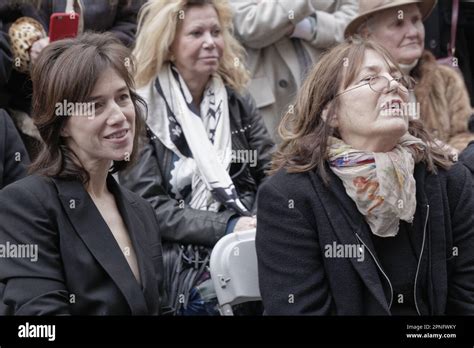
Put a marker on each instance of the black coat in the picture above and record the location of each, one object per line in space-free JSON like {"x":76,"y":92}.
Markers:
{"x":13,"y":157}
{"x":298,"y":216}
{"x":182,"y":224}
{"x":80,"y":268}
{"x":467,"y":157}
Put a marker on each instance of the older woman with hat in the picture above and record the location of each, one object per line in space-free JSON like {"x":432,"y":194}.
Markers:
{"x":362,"y":215}
{"x":442,"y":99}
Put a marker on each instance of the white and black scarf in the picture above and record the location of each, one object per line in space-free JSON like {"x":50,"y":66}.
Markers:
{"x":201,"y":140}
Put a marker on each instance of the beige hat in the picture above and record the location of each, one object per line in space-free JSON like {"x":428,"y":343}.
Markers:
{"x":369,"y":7}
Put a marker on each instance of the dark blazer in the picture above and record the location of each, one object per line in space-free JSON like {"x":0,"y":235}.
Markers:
{"x":80,"y":269}
{"x":467,"y":157}
{"x":298,"y":216}
{"x":151,"y":175}
{"x":13,"y":156}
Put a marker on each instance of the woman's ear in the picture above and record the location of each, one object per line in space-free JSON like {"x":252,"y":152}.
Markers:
{"x":325,"y":115}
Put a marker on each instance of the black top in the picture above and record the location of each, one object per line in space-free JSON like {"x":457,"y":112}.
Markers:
{"x":398,"y":260}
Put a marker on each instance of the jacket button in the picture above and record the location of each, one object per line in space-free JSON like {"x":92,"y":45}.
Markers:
{"x":283,"y":83}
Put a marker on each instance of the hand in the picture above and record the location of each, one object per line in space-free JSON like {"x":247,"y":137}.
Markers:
{"x":245,"y":223}
{"x":304,"y":29}
{"x":37,"y":47}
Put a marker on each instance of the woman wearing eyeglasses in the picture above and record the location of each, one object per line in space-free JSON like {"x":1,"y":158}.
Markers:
{"x":397,"y":25}
{"x":362,"y":216}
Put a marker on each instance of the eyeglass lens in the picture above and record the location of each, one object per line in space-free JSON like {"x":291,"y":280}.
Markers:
{"x":380,"y":83}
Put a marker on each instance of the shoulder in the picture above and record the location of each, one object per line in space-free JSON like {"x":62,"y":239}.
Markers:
{"x":33,"y":195}
{"x":439,"y":72}
{"x":4,"y":119}
{"x":243,"y":99}
{"x":449,"y":75}
{"x":459,"y":174}
{"x":289,"y":184}
{"x":430,"y":68}
{"x":454,"y":180}
{"x":36,"y":185}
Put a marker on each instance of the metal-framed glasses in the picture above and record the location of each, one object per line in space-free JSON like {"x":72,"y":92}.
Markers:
{"x":381,"y":84}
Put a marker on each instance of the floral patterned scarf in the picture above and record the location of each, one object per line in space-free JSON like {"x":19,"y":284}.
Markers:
{"x":381,"y":184}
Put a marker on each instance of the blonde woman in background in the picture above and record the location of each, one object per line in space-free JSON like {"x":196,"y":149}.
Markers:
{"x":207,"y":146}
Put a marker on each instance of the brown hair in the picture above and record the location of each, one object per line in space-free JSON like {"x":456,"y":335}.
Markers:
{"x":68,"y":70}
{"x":304,"y":132}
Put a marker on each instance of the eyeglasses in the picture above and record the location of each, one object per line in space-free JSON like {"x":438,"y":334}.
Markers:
{"x":381,"y":84}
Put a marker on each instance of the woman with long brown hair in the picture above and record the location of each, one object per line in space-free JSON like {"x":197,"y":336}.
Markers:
{"x":363,"y":215}
{"x":93,"y":247}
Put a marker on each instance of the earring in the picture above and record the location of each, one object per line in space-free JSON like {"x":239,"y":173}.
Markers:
{"x":172,"y":58}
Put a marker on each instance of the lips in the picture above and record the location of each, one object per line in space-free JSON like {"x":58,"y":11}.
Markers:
{"x":412,"y":43}
{"x":117,"y":135}
{"x":394,"y":104}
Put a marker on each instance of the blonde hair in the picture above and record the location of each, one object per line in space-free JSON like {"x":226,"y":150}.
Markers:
{"x":157,"y":26}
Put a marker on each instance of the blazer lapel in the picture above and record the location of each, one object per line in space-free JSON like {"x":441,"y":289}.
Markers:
{"x":129,"y":210}
{"x":346,"y":223}
{"x":91,"y":227}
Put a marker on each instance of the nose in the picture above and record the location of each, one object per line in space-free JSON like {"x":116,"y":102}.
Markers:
{"x":116,"y":115}
{"x":393,"y":84}
{"x":396,"y":87}
{"x":412,"y":30}
{"x":208,"y":41}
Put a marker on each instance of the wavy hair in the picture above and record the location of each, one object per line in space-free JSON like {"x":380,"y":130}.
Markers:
{"x":157,"y":26}
{"x":68,"y":70}
{"x":303,"y":130}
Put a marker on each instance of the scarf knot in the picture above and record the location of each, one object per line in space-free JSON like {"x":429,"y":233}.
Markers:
{"x":381,"y":184}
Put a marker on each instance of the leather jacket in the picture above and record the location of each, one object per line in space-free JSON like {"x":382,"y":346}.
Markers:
{"x":178,"y":222}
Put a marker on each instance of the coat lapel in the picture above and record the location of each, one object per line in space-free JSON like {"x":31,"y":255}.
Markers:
{"x":92,"y":229}
{"x":130,"y":210}
{"x":346,"y":223}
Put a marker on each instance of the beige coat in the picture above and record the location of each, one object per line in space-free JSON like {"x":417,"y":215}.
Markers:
{"x":444,"y":103}
{"x":263,"y":27}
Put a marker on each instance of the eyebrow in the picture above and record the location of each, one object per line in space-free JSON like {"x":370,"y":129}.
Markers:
{"x":377,"y":68}
{"x":97,"y":97}
{"x":201,"y":24}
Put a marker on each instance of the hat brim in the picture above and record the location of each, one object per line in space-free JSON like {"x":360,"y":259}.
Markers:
{"x":426,"y":7}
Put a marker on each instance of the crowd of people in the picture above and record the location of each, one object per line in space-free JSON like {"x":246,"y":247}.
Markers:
{"x":129,"y":151}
